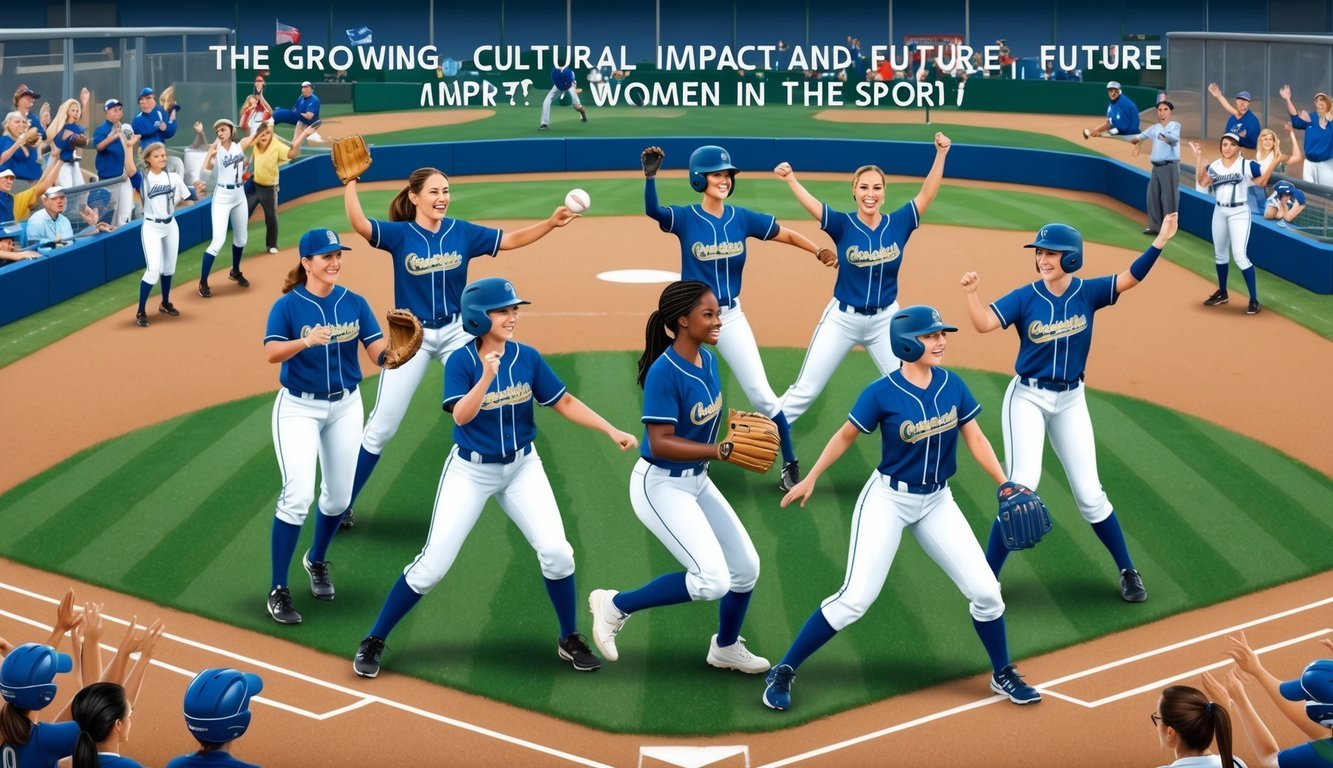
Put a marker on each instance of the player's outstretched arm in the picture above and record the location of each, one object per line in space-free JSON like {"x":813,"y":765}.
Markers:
{"x":134,"y":681}
{"x":808,"y":201}
{"x":355,"y":216}
{"x":578,"y":412}
{"x":1200,"y":167}
{"x":833,"y":450}
{"x":981,"y":449}
{"x":1261,"y":739}
{"x":983,"y":320}
{"x":791,"y":237}
{"x":1238,"y":648}
{"x":1139,"y":269}
{"x":934,"y":177}
{"x":531,"y":234}
{"x":1216,"y":93}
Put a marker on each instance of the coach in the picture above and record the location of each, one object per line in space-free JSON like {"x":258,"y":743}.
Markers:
{"x":1164,"y":184}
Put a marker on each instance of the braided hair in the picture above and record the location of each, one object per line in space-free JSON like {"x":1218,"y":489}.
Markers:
{"x":677,"y":301}
{"x":1197,"y":720}
{"x":96,"y":709}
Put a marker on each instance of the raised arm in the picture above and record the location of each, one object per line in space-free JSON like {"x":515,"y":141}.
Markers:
{"x":1216,"y":93}
{"x":295,"y":148}
{"x":1139,"y":269}
{"x":576,"y":411}
{"x":931,"y":186}
{"x":1297,"y":151}
{"x":1248,"y":661}
{"x":983,"y":320}
{"x":134,"y":681}
{"x":1285,"y":93}
{"x":130,"y":144}
{"x":833,"y":450}
{"x":531,"y":234}
{"x":1261,"y":739}
{"x":651,"y":159}
{"x":808,"y":201}
{"x":1201,"y":176}
{"x":355,"y":217}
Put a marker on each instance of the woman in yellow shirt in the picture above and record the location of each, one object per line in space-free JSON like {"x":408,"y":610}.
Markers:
{"x":268,"y":152}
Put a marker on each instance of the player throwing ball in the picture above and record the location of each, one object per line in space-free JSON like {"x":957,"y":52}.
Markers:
{"x":491,"y":386}
{"x":921,"y":410}
{"x":430,"y":255}
{"x":670,"y":490}
{"x":313,"y":332}
{"x":1053,"y":317}
{"x":870,"y":248}
{"x":712,"y":251}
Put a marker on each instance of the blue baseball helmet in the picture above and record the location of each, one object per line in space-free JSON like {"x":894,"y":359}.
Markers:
{"x":1315,"y":688}
{"x":217,"y":704}
{"x":485,"y":295}
{"x":910,"y":323}
{"x":708,"y":159}
{"x":1062,"y":238}
{"x":28,"y":674}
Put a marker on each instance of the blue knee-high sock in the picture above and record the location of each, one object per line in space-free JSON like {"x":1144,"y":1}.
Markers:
{"x":784,"y":434}
{"x":144,"y":290}
{"x":207,"y":268}
{"x":1222,"y":270}
{"x":996,"y":551}
{"x":325,"y":527}
{"x":561,"y":592}
{"x":811,"y":638}
{"x":401,"y":599}
{"x":730,"y":615}
{"x":1109,"y":532}
{"x":668,"y":589}
{"x":365,"y":464}
{"x":1250,"y":283}
{"x":993,"y":636}
{"x":282,"y":548}
{"x":166,"y":289}
{"x":236,"y":251}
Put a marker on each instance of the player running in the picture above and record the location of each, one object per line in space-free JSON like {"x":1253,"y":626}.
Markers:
{"x":870,"y":249}
{"x":1053,"y":317}
{"x":921,"y":410}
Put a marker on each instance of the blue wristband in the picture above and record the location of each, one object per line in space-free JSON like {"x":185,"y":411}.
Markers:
{"x":1139,"y":269}
{"x":380,"y":361}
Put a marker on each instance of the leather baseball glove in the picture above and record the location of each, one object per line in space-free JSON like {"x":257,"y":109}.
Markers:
{"x":167,"y":99}
{"x":351,"y":158}
{"x":78,"y":141}
{"x":652,"y":161}
{"x":751,"y":441}
{"x":405,"y":336}
{"x":1023,"y":518}
{"x":31,"y":136}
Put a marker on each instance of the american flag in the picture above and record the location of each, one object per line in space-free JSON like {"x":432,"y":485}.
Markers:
{"x":287,"y":34}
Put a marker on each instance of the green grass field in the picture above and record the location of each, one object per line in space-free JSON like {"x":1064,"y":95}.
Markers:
{"x":180,"y":513}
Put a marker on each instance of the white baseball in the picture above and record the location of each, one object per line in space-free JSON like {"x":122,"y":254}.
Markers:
{"x":578,"y":201}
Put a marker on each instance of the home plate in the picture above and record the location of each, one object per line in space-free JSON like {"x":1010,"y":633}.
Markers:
{"x":639,"y":276}
{"x":693,"y":757}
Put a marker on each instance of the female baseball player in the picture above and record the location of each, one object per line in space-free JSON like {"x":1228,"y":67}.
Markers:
{"x":217,"y":712}
{"x":1268,"y":155}
{"x":266,"y":154}
{"x":313,"y":330}
{"x":712,"y":238}
{"x":870,"y":247}
{"x":230,"y":206}
{"x":1053,"y":318}
{"x":161,"y":191}
{"x":1188,"y":723}
{"x":670,"y":490}
{"x":1231,"y":177}
{"x":103,"y":714}
{"x":491,"y":387}
{"x":430,"y":253}
{"x":68,"y":137}
{"x":921,"y":410}
{"x":27,"y":683}
{"x":1318,"y":166}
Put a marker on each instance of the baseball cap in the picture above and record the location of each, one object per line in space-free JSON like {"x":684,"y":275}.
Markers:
{"x":223,"y":121}
{"x":24,"y":90}
{"x":1113,"y":84}
{"x":14,"y":232}
{"x":54,"y":192}
{"x":111,"y":104}
{"x":1230,"y":135}
{"x":145,"y":92}
{"x":1325,"y":95}
{"x":306,"y":84}
{"x":6,"y":173}
{"x":1284,"y":188}
{"x":1244,"y":95}
{"x":320,"y":241}
{"x":27,"y":675}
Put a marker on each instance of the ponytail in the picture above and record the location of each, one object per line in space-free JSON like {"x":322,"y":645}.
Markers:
{"x":402,"y":208}
{"x":655,"y":342}
{"x":1198,"y":721}
{"x":296,"y":276}
{"x":1222,"y":732}
{"x":677,"y":301}
{"x":97,"y":708}
{"x":15,"y":727}
{"x":85,"y":752}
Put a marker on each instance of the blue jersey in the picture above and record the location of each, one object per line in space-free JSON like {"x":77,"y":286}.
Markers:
{"x":23,"y":162}
{"x":307,"y":104}
{"x":64,"y":141}
{"x":430,"y":268}
{"x":328,"y":368}
{"x":504,"y":423}
{"x":678,"y":392}
{"x":562,"y":78}
{"x":1318,"y":139}
{"x":45,"y":746}
{"x":110,"y":161}
{"x":1123,"y":115}
{"x":712,"y":249}
{"x":1313,"y":754}
{"x":145,"y":124}
{"x":869,"y":259}
{"x":1246,"y":127}
{"x":1054,"y":332}
{"x":217,"y":759}
{"x":918,"y":427}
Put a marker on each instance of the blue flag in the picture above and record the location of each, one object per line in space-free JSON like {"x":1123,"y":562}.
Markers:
{"x":359,"y":36}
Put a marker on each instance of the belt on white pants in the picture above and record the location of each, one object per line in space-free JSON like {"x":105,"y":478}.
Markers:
{"x":332,"y":397}
{"x":916,"y":488}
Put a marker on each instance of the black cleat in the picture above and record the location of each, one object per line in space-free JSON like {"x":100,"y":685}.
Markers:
{"x":1131,"y":586}
{"x":204,"y":291}
{"x":141,"y":319}
{"x":367,"y":660}
{"x":280,"y":606}
{"x":167,"y":308}
{"x":1253,"y":309}
{"x":1218,"y":297}
{"x":575,"y":650}
{"x":321,"y":584}
{"x":348,"y":520}
{"x":236,"y":276}
{"x":791,"y":475}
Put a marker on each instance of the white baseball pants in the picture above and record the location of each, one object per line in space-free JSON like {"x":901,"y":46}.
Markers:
{"x":1318,"y":172}
{"x":554,"y":94}
{"x":836,"y":333}
{"x":305,"y":430}
{"x":738,"y":347}
{"x":160,"y":245}
{"x":1231,"y":228}
{"x":399,"y":384}
{"x":123,"y":194}
{"x":229,"y":208}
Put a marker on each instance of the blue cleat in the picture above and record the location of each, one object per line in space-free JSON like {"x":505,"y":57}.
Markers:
{"x":778,"y":693}
{"x":1007,"y":682}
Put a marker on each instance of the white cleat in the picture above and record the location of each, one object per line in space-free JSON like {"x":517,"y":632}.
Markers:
{"x":736,"y":656}
{"x":606,"y":622}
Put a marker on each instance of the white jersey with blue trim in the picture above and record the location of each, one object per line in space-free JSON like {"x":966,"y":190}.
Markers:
{"x":328,"y":368}
{"x":504,"y":424}
{"x":430,"y":268}
{"x":918,"y":427}
{"x":229,"y":163}
{"x":712,"y":248}
{"x":1231,"y":184}
{"x":1055,"y":332}
{"x":688,"y":396}
{"x":869,"y":259}
{"x":160,"y":192}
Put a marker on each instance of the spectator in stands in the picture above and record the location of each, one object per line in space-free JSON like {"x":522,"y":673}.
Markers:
{"x":267,"y":153}
{"x":11,"y":250}
{"x":781,"y":56}
{"x":109,"y":139}
{"x":1242,"y":122}
{"x":304,"y":113}
{"x":1285,"y":204}
{"x":1267,"y":154}
{"x":24,"y":98}
{"x":1318,"y":167}
{"x":18,"y":206}
{"x":1070,"y":74}
{"x":19,"y":148}
{"x":155,"y":124}
{"x":48,"y":228}
{"x":1164,"y":184}
{"x":1006,"y":57}
{"x":1122,"y":116}
{"x":1188,"y":724}
{"x":254,"y":113}
{"x":69,"y":137}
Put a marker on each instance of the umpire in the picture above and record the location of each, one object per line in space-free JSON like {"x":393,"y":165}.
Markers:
{"x":1164,"y":184}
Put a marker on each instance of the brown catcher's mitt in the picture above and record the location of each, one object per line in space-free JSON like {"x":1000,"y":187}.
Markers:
{"x":351,"y":158}
{"x":78,"y":141}
{"x":751,"y":441}
{"x":404,"y":337}
{"x":167,"y":98}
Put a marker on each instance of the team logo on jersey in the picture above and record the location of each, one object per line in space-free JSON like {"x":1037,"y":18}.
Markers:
{"x":702,"y":414}
{"x":510,"y":395}
{"x":916,"y":431}
{"x":439,"y":262}
{"x":339,"y":332}
{"x":1040,"y":333}
{"x":723,"y":250}
{"x":859,"y":258}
